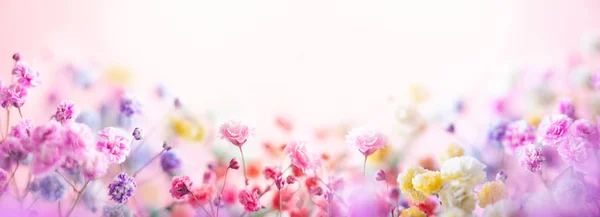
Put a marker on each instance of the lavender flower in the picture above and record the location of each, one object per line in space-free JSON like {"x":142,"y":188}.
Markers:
{"x":130,"y":106}
{"x":52,"y":188}
{"x":64,"y":111}
{"x":94,"y":196}
{"x":170,"y":163}
{"x":116,"y":211}
{"x":122,"y":188}
{"x":496,"y":133}
{"x":137,"y":134}
{"x":90,"y":118}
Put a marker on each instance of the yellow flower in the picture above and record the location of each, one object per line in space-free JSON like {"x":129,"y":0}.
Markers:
{"x":428,"y":183}
{"x":459,"y":196}
{"x":464,"y":170}
{"x":406,"y":184}
{"x":413,"y":212}
{"x":418,"y":93}
{"x":380,"y":155}
{"x":534,"y":119}
{"x":452,"y":150}
{"x":491,"y":192}
{"x":119,"y":75}
{"x":454,"y":212}
{"x":187,"y":130}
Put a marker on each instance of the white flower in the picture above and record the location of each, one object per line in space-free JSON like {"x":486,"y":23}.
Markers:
{"x":464,"y":170}
{"x":454,"y":212}
{"x":459,"y":196}
{"x":409,"y":119}
{"x":503,"y":208}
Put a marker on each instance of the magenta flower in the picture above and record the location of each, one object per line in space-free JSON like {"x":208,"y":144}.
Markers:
{"x":236,"y":132}
{"x":25,"y":75}
{"x":14,"y":95}
{"x":46,"y":159}
{"x":554,"y":129}
{"x":531,"y":157}
{"x":301,"y":157}
{"x":114,"y":143}
{"x":180,"y":186}
{"x":94,"y":165}
{"x":574,"y":150}
{"x":3,"y":180}
{"x":78,"y":138}
{"x":517,"y":134}
{"x":11,"y":147}
{"x":584,"y":129}
{"x":366,"y":140}
{"x":21,"y":130}
{"x":566,"y":107}
{"x":64,"y":111}
{"x":249,"y":200}
{"x":50,"y":133}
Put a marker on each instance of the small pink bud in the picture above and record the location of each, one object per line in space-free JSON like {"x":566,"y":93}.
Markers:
{"x":234,"y":164}
{"x":380,"y":175}
{"x":16,"y":57}
{"x":317,"y":191}
{"x":290,"y":180}
{"x":279,"y":182}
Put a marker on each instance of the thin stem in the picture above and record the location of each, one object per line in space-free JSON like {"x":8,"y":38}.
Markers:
{"x":12,"y":177}
{"x":244,"y":165}
{"x":280,"y":201}
{"x":67,"y":180}
{"x":147,"y":135}
{"x":222,"y":189}
{"x":198,"y":201}
{"x":59,"y":209}
{"x":78,"y":198}
{"x":31,"y":205}
{"x":20,"y":113}
{"x":543,"y":180}
{"x":7,"y":121}
{"x":148,"y":163}
{"x":365,"y":167}
{"x":273,"y":183}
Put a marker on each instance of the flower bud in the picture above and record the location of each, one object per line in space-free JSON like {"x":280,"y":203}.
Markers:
{"x":234,"y":164}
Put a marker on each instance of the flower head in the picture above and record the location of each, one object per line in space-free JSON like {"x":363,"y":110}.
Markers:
{"x":46,"y":159}
{"x":554,"y":129}
{"x":405,"y":180}
{"x":491,"y":192}
{"x":94,"y":195}
{"x":517,"y":134}
{"x":94,"y":166}
{"x":13,"y":148}
{"x":463,"y":170}
{"x":180,"y":186}
{"x":118,"y":210}
{"x":582,"y":128}
{"x":301,"y":157}
{"x":3,"y":180}
{"x":234,"y":164}
{"x":201,"y":195}
{"x":25,"y":75}
{"x":412,"y":212}
{"x":236,"y":132}
{"x":78,"y":138}
{"x":64,"y":111}
{"x":130,"y":105}
{"x":575,"y":150}
{"x":366,"y":140}
{"x":452,"y":150}
{"x":458,"y":195}
{"x":503,"y":208}
{"x":114,"y":143}
{"x":566,"y":107}
{"x":496,"y":133}
{"x":170,"y":162}
{"x":501,"y":176}
{"x":532,"y":157}
{"x":121,"y":188}
{"x":428,"y":183}
{"x":249,"y":200}
{"x":380,"y":175}
{"x":52,"y":188}
{"x":14,"y":95}
{"x":47,"y":134}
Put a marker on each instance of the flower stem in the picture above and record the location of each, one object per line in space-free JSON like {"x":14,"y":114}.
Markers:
{"x":244,"y":165}
{"x":148,"y":163}
{"x":198,"y":201}
{"x":20,"y":113}
{"x":77,"y":199}
{"x":540,"y":174}
{"x":67,"y":180}
{"x":12,"y":178}
{"x":273,"y":183}
{"x":365,"y":167}
{"x":31,"y":205}
{"x":59,"y":209}
{"x":222,"y":189}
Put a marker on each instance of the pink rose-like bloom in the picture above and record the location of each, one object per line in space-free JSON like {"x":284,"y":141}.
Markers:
{"x":584,"y":129}
{"x":202,"y":195}
{"x":229,"y":195}
{"x":301,"y":157}
{"x":574,"y":150}
{"x":566,"y":107}
{"x":236,"y":132}
{"x":249,"y":200}
{"x":554,"y":129}
{"x":14,"y":95}
{"x":532,"y":157}
{"x":180,"y":186}
{"x":12,"y":148}
{"x":78,"y":138}
{"x":49,"y":133}
{"x":114,"y":143}
{"x":517,"y":134}
{"x":3,"y":180}
{"x":64,"y":111}
{"x":366,"y":140}
{"x":271,"y":172}
{"x":21,"y":130}
{"x":94,"y":165}
{"x":25,"y":75}
{"x":46,"y":159}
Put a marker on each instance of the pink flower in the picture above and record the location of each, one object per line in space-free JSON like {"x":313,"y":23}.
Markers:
{"x":236,"y":132}
{"x":249,"y":200}
{"x":574,"y":150}
{"x":71,"y":162}
{"x":554,"y":129}
{"x":49,"y":133}
{"x":14,"y":95}
{"x":531,"y":157}
{"x":78,"y":138}
{"x":3,"y":180}
{"x":46,"y":159}
{"x":566,"y":107}
{"x":114,"y":143}
{"x":12,"y":148}
{"x":366,"y":140}
{"x":25,"y":75}
{"x":64,"y":111}
{"x":21,"y":130}
{"x":517,"y":134}
{"x":584,"y":129}
{"x":94,"y":165}
{"x":301,"y":157}
{"x":180,"y":186}
{"x":202,"y":195}
{"x":229,"y":194}
{"x":271,"y":172}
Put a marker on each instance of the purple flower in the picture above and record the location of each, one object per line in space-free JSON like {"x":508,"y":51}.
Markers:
{"x":3,"y":180}
{"x":12,"y":148}
{"x":64,"y":111}
{"x":584,"y":129}
{"x":496,"y":133}
{"x":25,"y":75}
{"x":114,"y":143}
{"x":130,"y":106}
{"x":52,"y":188}
{"x":566,"y":107}
{"x":119,"y":210}
{"x":121,"y":188}
{"x":170,"y":163}
{"x":14,"y":95}
{"x":554,"y":129}
{"x":531,"y":157}
{"x":137,"y":134}
{"x":517,"y":134}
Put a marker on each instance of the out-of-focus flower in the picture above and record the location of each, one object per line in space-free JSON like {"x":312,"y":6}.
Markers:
{"x":229,"y":194}
{"x":78,"y":138}
{"x":180,"y":186}
{"x":553,"y":129}
{"x":584,"y":129}
{"x":380,"y":175}
{"x":532,"y":157}
{"x":46,"y":159}
{"x":463,"y":170}
{"x":279,"y":182}
{"x":428,"y":183}
{"x":236,"y":132}
{"x":94,"y":166}
{"x":137,"y":133}
{"x":94,"y":196}
{"x":517,"y":134}
{"x":501,"y":176}
{"x":366,"y":140}
{"x":380,"y":155}
{"x":90,"y":118}
{"x":121,"y":188}
{"x":569,"y":192}
{"x":491,"y":192}
{"x":409,"y":119}
{"x":405,"y":181}
{"x":200,"y":196}
{"x":496,"y":133}
{"x":453,"y":212}
{"x":3,"y":180}
{"x":170,"y":163}
{"x":234,"y":164}
{"x":52,"y":188}
{"x":114,"y":143}
{"x":271,"y":172}
{"x":412,"y":212}
{"x":429,"y":206}
{"x":12,"y":148}
{"x":249,"y":200}
{"x":574,"y":150}
{"x":566,"y":107}
{"x":301,"y":157}
{"x":25,"y":75}
{"x":503,"y":208}
{"x":14,"y":95}
{"x":64,"y":111}
{"x":129,"y":105}
{"x":427,"y":162}
{"x":451,"y":150}
{"x":118,"y":210}
{"x":364,"y":201}
{"x":460,"y":196}
{"x":187,"y":130}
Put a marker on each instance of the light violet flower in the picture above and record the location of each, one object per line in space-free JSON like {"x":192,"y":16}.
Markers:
{"x":566,"y":107}
{"x":64,"y":111}
{"x":94,"y":166}
{"x":121,"y":188}
{"x":25,"y":75}
{"x":584,"y":129}
{"x":301,"y":156}
{"x":52,"y":188}
{"x":46,"y":159}
{"x":236,"y":132}
{"x":517,"y":134}
{"x":180,"y":186}
{"x":366,"y":140}
{"x":114,"y":143}
{"x":249,"y":200}
{"x":532,"y":157}
{"x":554,"y":129}
{"x":574,"y":150}
{"x":14,"y":95}
{"x":130,"y":105}
{"x":78,"y":138}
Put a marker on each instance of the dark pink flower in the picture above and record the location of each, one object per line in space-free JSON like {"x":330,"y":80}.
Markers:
{"x":236,"y":132}
{"x":14,"y":95}
{"x":554,"y":129}
{"x":180,"y":186}
{"x":271,"y":172}
{"x":50,"y":133}
{"x":301,"y":157}
{"x":516,"y":135}
{"x":584,"y":129}
{"x":114,"y":143}
{"x":64,"y":111}
{"x":532,"y":157}
{"x":249,"y":200}
{"x":25,"y":75}
{"x":366,"y":140}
